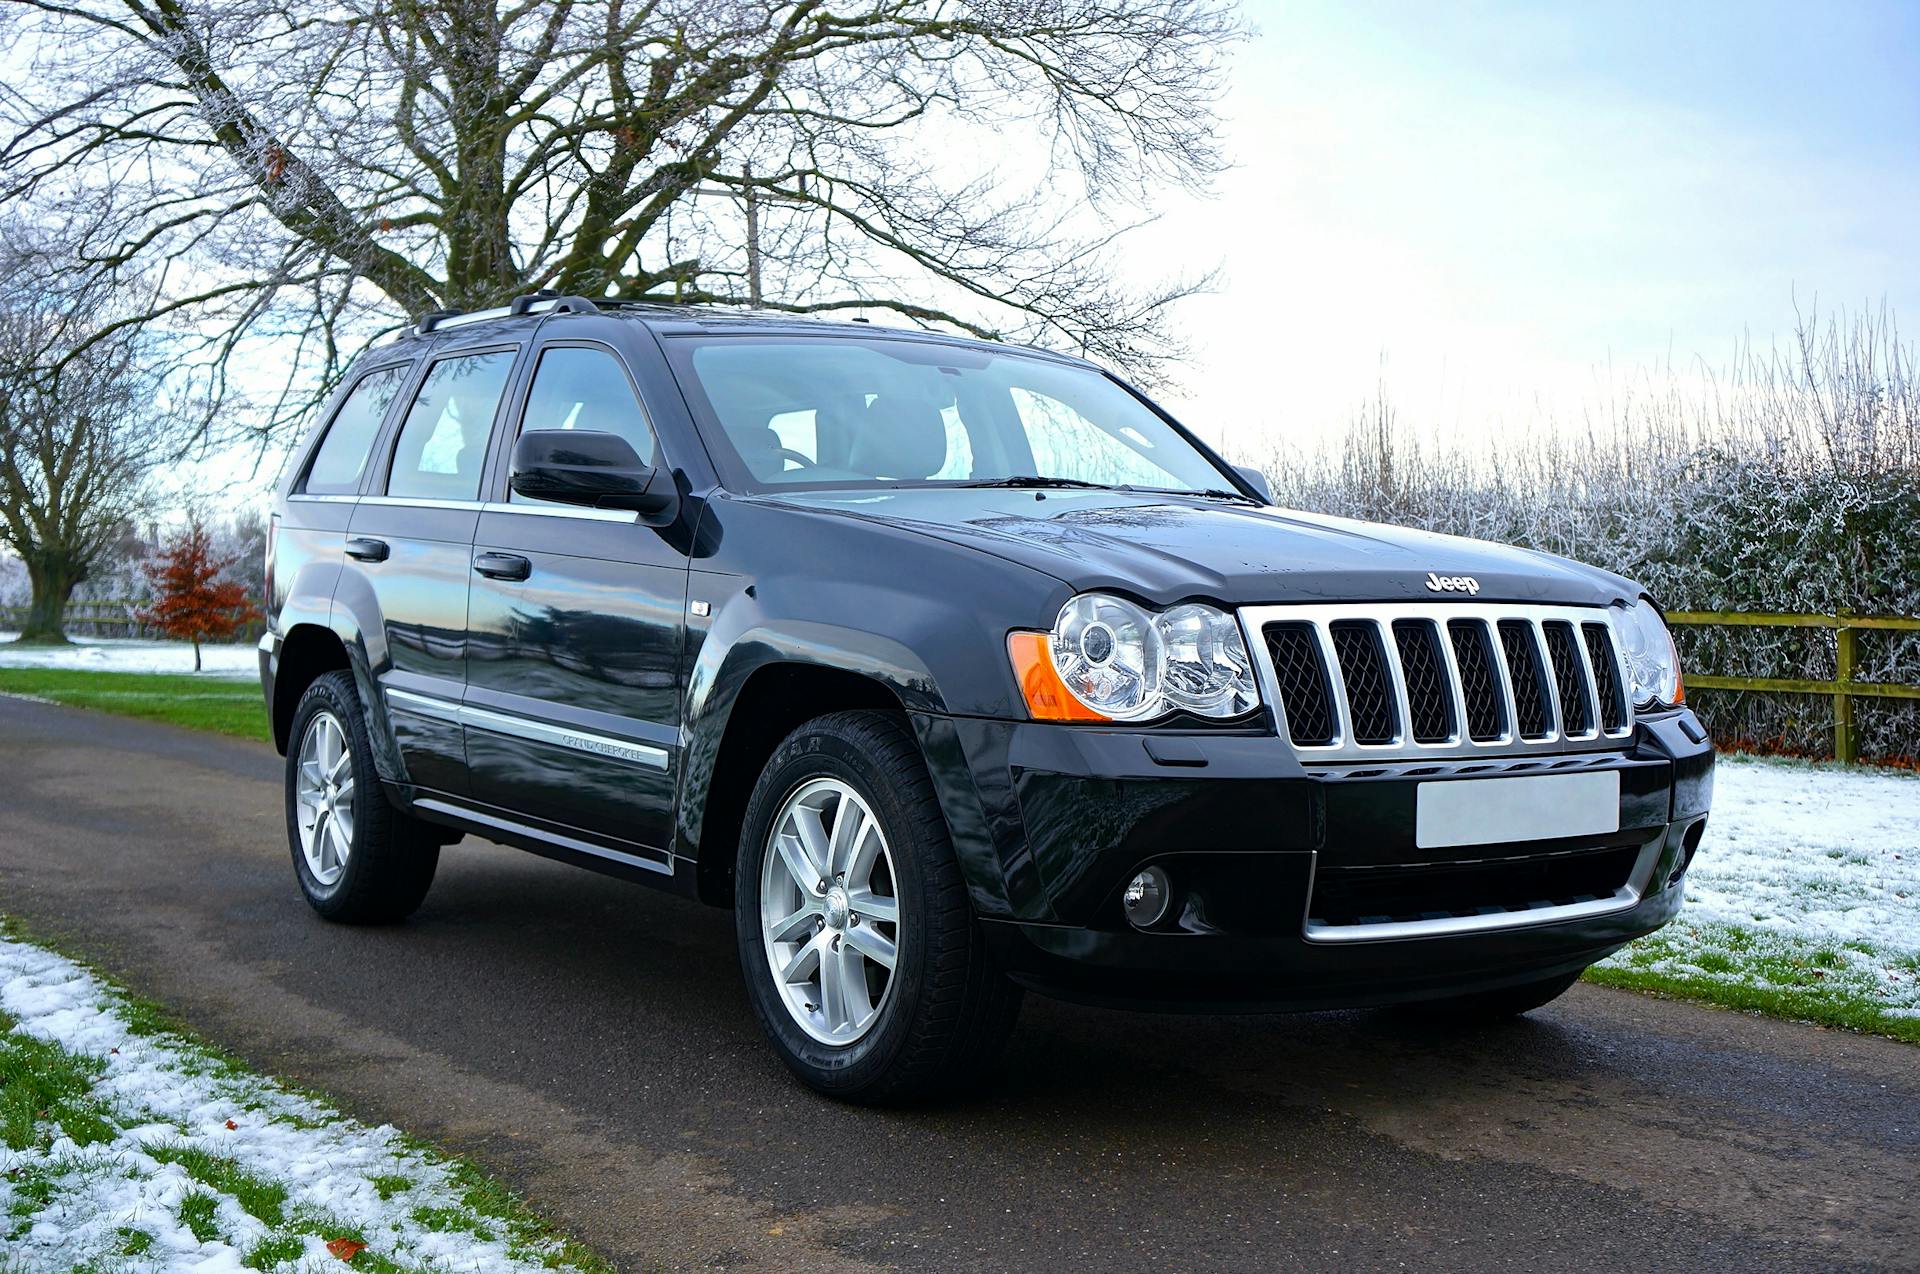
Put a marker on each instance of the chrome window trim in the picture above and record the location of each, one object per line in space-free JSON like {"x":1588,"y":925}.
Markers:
{"x":1320,"y":618}
{"x":525,"y":728}
{"x":577,"y":511}
{"x":580,"y":512}
{"x":303,"y":497}
{"x":1625,"y":898}
{"x":419,"y":502}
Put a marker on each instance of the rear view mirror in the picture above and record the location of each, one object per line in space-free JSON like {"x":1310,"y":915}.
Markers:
{"x":1257,"y":480}
{"x":598,"y":470}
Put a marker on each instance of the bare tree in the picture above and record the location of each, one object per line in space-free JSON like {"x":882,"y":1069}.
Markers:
{"x":80,"y":432}
{"x":326,"y":167}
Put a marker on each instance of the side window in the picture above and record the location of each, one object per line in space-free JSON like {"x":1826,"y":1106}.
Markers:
{"x":576,"y":387}
{"x":1064,"y":441}
{"x":342,"y":455}
{"x":443,"y":444}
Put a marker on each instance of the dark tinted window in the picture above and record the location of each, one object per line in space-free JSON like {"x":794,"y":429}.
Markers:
{"x":443,"y":444}
{"x":582,"y":388}
{"x":342,"y":456}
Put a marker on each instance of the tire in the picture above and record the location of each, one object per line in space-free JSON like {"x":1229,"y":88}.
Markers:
{"x":942,"y":1012}
{"x":378,"y":870}
{"x":1492,"y":1006}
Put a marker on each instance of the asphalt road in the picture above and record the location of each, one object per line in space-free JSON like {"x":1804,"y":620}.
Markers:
{"x":589,"y":1041}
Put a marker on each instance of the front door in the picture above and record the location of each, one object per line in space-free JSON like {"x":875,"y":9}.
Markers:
{"x":413,"y":537}
{"x":576,"y":623}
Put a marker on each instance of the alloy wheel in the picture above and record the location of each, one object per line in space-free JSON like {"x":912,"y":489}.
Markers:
{"x":829,"y":913}
{"x":324,"y":798}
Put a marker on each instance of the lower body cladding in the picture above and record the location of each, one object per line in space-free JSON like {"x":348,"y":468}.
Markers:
{"x":1298,"y":887}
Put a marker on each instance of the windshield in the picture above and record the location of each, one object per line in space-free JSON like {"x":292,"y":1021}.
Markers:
{"x":794,"y":411}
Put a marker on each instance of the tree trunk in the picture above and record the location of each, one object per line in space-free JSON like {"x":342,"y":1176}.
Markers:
{"x":196,"y":654}
{"x":53,"y":583}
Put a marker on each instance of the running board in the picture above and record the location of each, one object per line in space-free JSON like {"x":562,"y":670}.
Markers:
{"x":541,"y":841}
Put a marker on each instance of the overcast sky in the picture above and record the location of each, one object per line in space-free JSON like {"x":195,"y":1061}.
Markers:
{"x":1503,"y":209}
{"x":1502,"y":199}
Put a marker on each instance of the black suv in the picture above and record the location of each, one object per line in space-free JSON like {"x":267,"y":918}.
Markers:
{"x":954,"y":669}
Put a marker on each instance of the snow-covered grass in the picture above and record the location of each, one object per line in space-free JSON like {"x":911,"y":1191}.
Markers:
{"x":1804,"y":899}
{"x":118,"y":654}
{"x":126,"y":1145}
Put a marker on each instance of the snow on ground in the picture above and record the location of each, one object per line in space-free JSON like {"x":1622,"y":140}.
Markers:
{"x":119,"y":654}
{"x":1819,"y":850}
{"x":65,"y":1204}
{"x":1808,"y":880}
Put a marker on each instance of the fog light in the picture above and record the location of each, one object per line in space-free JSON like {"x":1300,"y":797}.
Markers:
{"x":1147,"y":898}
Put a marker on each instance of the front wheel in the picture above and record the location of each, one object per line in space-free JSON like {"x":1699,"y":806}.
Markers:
{"x":862,"y":956}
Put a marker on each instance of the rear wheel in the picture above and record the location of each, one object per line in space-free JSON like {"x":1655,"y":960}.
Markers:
{"x":357,"y":858}
{"x":862,"y":956}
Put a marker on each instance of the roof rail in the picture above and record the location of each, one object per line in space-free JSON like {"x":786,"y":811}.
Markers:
{"x":550,"y":302}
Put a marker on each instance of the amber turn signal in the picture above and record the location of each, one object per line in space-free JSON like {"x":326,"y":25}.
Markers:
{"x":1048,"y":698}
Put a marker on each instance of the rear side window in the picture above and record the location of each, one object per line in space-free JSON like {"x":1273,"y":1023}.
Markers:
{"x":342,"y":456}
{"x":578,"y":387}
{"x":443,"y":444}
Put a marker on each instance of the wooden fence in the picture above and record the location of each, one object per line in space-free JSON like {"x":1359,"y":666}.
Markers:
{"x":111,"y":618}
{"x":94,"y":619}
{"x":1843,"y":689}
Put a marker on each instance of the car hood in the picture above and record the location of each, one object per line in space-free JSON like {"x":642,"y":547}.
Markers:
{"x":1168,"y":548}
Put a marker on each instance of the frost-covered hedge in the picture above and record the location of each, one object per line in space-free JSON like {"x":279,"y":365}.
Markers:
{"x":1790,"y":484}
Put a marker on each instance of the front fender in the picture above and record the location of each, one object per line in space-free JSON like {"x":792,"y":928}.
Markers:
{"x":742,"y":640}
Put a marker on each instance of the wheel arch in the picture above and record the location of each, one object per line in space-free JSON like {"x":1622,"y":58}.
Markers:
{"x":308,"y":652}
{"x":774,"y":699}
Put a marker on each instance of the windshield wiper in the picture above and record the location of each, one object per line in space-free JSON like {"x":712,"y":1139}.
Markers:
{"x":1209,"y":493}
{"x":1033,"y":480}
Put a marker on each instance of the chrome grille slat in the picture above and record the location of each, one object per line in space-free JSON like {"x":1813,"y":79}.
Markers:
{"x":1422,"y":692}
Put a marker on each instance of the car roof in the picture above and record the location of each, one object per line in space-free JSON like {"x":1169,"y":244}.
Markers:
{"x":677,"y":320}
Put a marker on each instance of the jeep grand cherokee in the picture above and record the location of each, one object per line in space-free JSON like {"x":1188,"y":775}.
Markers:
{"x":955,"y":670}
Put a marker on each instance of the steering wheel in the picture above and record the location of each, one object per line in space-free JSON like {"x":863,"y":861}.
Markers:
{"x":804,"y":461}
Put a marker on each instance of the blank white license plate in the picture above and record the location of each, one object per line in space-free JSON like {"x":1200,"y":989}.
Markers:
{"x":1529,"y":807}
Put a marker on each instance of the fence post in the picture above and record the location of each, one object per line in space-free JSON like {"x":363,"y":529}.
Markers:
{"x":1845,"y":746}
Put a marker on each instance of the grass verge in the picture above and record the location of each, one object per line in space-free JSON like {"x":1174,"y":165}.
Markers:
{"x":1849,"y":985}
{"x":110,"y":1112}
{"x":223,"y":705}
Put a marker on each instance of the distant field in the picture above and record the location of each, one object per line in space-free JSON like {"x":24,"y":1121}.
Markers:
{"x":202,"y":702}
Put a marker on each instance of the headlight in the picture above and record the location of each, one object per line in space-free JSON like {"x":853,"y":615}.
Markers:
{"x":1646,"y":647}
{"x":1107,"y":659}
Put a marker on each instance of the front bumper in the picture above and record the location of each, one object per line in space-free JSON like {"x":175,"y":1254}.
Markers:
{"x":1051,"y":821}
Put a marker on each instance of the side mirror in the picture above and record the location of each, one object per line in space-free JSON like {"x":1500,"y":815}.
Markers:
{"x":1257,"y":480}
{"x":599,"y":470}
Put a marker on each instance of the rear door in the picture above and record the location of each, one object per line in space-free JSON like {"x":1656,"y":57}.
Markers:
{"x":311,"y":528}
{"x":576,"y":622}
{"x":412,"y":537}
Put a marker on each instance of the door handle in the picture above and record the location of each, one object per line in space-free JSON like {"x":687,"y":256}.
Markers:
{"x":503,"y":566}
{"x":368,"y":550}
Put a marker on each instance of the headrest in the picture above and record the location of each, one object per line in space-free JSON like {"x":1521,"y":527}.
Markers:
{"x":900,"y":438}
{"x":760,"y":448}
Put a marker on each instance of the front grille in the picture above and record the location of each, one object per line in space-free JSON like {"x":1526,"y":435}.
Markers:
{"x":1606,"y":679}
{"x":1363,"y":682}
{"x":1479,"y":680}
{"x":1488,"y":887}
{"x":1569,"y":678}
{"x":1363,"y":669}
{"x":1530,"y":706}
{"x":1429,"y":698}
{"x":1302,"y":680}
